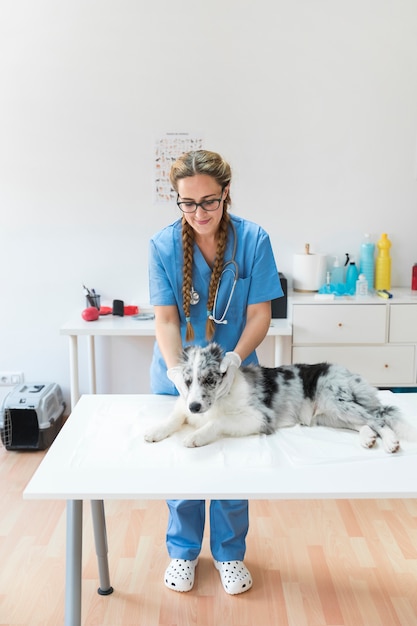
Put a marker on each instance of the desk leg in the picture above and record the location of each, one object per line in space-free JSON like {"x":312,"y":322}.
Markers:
{"x":282,"y":350}
{"x":278,"y":351}
{"x":92,"y":363}
{"x":73,"y":351}
{"x":100,"y":538}
{"x":73,"y":563}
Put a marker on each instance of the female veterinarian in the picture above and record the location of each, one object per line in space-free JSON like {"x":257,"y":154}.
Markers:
{"x":212,"y":276}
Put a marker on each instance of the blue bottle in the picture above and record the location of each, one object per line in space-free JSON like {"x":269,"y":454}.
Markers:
{"x":367,"y":261}
{"x":351,"y":276}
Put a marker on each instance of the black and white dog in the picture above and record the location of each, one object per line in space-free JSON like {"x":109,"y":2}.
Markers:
{"x":263,"y":399}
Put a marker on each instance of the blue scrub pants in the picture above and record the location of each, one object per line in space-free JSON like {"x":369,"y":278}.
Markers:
{"x":229,"y":523}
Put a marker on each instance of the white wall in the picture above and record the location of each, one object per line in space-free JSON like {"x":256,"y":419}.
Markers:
{"x":313,"y":102}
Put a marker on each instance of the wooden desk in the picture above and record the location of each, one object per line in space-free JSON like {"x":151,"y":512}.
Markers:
{"x":127,"y":326}
{"x":100,"y":454}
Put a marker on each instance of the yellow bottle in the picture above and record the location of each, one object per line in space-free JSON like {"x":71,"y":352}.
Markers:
{"x":383,"y":264}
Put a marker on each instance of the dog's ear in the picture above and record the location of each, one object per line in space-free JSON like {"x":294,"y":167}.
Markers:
{"x":185,"y":354}
{"x":216,"y":351}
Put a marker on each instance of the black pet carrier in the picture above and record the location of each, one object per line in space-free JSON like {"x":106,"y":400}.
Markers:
{"x":31,"y":416}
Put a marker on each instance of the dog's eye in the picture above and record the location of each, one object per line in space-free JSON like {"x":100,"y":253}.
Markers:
{"x":209,"y":380}
{"x":188,"y":382}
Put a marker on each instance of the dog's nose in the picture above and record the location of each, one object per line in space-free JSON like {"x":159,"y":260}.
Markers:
{"x":195,"y":407}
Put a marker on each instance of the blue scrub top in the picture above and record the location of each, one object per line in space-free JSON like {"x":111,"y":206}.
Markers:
{"x":258,"y":281}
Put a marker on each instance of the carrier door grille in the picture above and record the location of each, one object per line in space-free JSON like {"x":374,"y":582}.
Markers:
{"x":21,"y":429}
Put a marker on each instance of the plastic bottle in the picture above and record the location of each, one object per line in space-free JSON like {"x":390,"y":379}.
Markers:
{"x":337,"y":273}
{"x":367,"y":261}
{"x":351,"y":276}
{"x":362,"y":285}
{"x":383,"y":264}
{"x":326,"y":288}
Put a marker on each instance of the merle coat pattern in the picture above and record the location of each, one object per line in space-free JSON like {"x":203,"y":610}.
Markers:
{"x":263,"y":399}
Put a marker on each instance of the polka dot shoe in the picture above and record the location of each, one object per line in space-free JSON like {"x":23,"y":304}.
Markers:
{"x":234,"y":575}
{"x":179,"y":574}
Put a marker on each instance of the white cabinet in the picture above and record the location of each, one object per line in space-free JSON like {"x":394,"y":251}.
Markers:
{"x":403,"y":323}
{"x":376,"y":338}
{"x":327,"y":324}
{"x":383,"y":366}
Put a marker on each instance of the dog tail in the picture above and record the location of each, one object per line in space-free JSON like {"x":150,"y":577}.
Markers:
{"x":393,"y":417}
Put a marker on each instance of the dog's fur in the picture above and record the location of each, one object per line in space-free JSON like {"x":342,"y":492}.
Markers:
{"x":263,"y":399}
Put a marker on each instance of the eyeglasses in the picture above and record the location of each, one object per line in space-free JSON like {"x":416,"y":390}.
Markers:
{"x":187,"y":206}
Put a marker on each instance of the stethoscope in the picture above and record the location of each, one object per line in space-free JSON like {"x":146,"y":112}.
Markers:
{"x":230,"y":266}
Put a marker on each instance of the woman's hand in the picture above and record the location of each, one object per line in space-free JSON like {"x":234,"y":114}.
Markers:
{"x":229,"y":365}
{"x":175,"y":375}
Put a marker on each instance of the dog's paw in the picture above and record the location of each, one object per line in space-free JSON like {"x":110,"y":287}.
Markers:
{"x":391,"y":444}
{"x":367,"y":437}
{"x":191,"y":441}
{"x":157,"y":434}
{"x":194,"y":440}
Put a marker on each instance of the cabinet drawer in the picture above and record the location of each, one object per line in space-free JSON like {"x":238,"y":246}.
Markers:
{"x":403,"y":323}
{"x":380,"y":365}
{"x":340,"y":323}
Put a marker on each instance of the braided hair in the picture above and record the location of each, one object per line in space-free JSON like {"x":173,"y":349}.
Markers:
{"x":211,"y":164}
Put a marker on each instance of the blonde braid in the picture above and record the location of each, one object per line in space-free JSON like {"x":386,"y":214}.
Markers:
{"x":216,"y":273}
{"x":187,"y":244}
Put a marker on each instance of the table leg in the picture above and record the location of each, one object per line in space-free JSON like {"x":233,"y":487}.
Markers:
{"x":282,"y":350}
{"x":100,"y":538}
{"x":73,"y":351}
{"x":278,"y":351}
{"x":73,"y":563}
{"x":92,"y":363}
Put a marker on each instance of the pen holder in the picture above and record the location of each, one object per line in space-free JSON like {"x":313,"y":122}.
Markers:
{"x":93,"y":300}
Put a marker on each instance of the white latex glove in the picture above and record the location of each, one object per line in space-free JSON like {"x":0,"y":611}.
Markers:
{"x":229,"y":365}
{"x":175,"y":375}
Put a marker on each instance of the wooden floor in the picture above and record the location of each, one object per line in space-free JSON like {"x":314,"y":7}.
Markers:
{"x":314,"y":563}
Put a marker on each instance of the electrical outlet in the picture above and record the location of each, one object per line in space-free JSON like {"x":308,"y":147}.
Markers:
{"x":8,"y":379}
